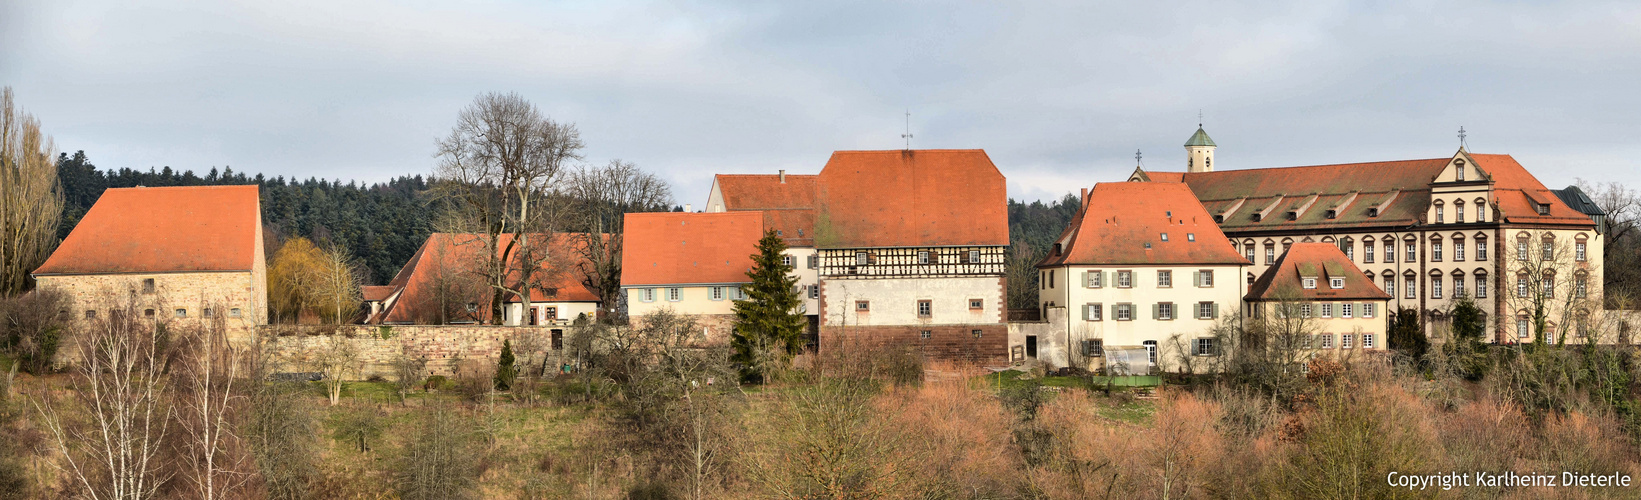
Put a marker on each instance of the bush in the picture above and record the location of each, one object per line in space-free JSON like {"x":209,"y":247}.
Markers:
{"x":437,"y":383}
{"x":32,"y":326}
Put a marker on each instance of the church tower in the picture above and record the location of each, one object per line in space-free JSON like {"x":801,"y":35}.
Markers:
{"x":1199,"y":152}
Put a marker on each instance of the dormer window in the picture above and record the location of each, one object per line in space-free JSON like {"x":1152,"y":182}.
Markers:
{"x":1219,"y":219}
{"x":1293,"y":215}
{"x":1336,"y":283}
{"x":1332,"y":214}
{"x":1373,"y":212}
{"x":1309,"y":283}
{"x":1543,"y":209}
{"x":1056,"y":249}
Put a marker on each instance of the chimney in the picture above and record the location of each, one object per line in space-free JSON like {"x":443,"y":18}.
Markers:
{"x":1083,"y":200}
{"x":687,"y":208}
{"x":783,"y":177}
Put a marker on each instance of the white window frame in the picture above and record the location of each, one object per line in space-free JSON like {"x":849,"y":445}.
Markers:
{"x":648,"y":295}
{"x":1205,"y":310}
{"x":675,"y":294}
{"x":1165,"y":279}
{"x":1368,"y":309}
{"x":1345,"y":310}
{"x":1125,"y":312}
{"x":1410,"y":287}
{"x":1327,"y":309}
{"x":1165,"y":311}
{"x":1308,"y":283}
{"x":717,"y":293}
{"x":1367,"y":341}
{"x":1336,"y":283}
{"x":1125,"y":279}
{"x":1345,"y":340}
{"x":1578,"y":251}
{"x":1327,"y":340}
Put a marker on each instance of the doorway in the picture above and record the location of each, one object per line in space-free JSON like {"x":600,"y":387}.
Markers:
{"x":1031,"y":346}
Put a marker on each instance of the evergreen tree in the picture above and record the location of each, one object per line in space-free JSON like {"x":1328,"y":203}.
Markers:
{"x":505,"y":371}
{"x":1468,"y":349}
{"x":769,"y":315}
{"x":1407,"y":336}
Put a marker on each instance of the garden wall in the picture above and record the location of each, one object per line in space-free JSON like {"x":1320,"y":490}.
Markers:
{"x":378,"y":347}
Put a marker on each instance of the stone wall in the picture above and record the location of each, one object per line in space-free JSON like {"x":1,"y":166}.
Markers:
{"x":444,"y":346}
{"x":237,"y":296}
{"x":945,"y":342}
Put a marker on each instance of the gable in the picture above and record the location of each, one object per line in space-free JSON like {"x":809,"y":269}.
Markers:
{"x":910,"y":198}
{"x":163,"y":229}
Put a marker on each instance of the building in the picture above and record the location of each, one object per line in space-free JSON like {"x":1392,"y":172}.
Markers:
{"x":1429,"y":231}
{"x":787,"y":203}
{"x":442,"y":284}
{"x":911,"y":252}
{"x":1142,"y":268}
{"x":1319,"y":302}
{"x":690,"y":263}
{"x":182,"y":254}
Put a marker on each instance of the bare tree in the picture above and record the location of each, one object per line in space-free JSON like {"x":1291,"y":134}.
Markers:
{"x":1621,"y":244}
{"x":31,"y":203}
{"x":121,"y":382}
{"x":337,"y":283}
{"x":203,"y":377}
{"x":1022,"y":276}
{"x":603,"y":195}
{"x":1551,"y":287}
{"x":497,"y":170}
{"x":335,"y":359}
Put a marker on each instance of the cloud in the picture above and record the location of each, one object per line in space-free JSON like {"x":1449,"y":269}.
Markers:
{"x":1059,"y":93}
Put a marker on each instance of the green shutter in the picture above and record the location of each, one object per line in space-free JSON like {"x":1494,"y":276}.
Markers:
{"x":1216,"y":310}
{"x":1087,"y":280}
{"x":1154,"y":308}
{"x":1086,"y":316}
{"x":1105,"y":278}
{"x":1196,"y":279}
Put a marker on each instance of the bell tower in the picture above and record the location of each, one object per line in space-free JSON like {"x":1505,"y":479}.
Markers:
{"x":1199,"y":152}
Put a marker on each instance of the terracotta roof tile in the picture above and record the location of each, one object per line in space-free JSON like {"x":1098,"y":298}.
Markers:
{"x":454,"y":256}
{"x":163,"y":229}
{"x":1323,"y":261}
{"x":788,"y":208}
{"x":908,"y":198}
{"x":1123,"y":223}
{"x":376,"y":293}
{"x":672,"y":248}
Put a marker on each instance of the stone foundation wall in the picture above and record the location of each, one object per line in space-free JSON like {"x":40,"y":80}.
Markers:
{"x":444,"y":346}
{"x":715,"y":328}
{"x":945,"y":343}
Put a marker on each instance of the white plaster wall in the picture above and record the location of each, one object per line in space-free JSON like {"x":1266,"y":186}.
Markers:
{"x":894,"y":301}
{"x":1227,"y":291}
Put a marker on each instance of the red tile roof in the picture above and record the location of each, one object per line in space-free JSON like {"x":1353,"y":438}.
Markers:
{"x":1405,"y":184}
{"x":676,"y":248}
{"x":456,"y":256}
{"x":163,"y":229}
{"x":376,"y":293}
{"x":908,"y":198}
{"x":1123,"y":223}
{"x":1323,"y":261}
{"x":788,"y":207}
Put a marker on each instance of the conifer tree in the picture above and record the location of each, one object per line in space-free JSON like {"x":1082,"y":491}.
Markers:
{"x":769,"y":315}
{"x":504,"y":367}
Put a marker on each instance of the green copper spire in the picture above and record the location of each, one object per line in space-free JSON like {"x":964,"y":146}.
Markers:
{"x":1200,"y":139}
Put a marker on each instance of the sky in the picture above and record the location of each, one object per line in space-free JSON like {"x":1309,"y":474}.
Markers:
{"x":1059,"y":94}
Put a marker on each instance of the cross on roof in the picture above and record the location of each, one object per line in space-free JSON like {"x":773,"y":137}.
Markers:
{"x":1461,"y":137}
{"x":908,"y":135}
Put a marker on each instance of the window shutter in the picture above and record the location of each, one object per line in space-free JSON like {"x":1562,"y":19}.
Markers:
{"x":1105,"y":278}
{"x":1088,"y":279}
{"x":1216,"y":310}
{"x":1196,"y":278}
{"x":1086,"y":312}
{"x":1154,"y":308}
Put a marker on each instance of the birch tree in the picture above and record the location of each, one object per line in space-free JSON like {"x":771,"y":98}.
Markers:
{"x":31,"y":202}
{"x":203,"y":377}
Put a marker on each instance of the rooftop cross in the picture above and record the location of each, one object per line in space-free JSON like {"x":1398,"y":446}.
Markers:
{"x":1137,"y":157}
{"x":908,"y":135}
{"x":1461,"y":137}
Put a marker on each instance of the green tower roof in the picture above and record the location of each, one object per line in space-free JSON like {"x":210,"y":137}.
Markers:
{"x":1200,"y":139}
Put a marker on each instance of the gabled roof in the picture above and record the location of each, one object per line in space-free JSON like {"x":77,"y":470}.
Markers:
{"x":1123,"y":223}
{"x":375,"y":293}
{"x":1400,"y":190}
{"x":788,"y":207}
{"x":1577,"y":200}
{"x":1199,"y":139}
{"x":163,"y":229}
{"x":908,"y":198}
{"x":448,"y":262}
{"x":678,"y":248}
{"x":1284,"y":280}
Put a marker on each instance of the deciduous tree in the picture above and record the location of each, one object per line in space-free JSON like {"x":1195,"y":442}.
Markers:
{"x":30,"y":201}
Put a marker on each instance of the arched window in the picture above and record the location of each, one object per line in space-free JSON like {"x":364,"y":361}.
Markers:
{"x":1248,"y":250}
{"x":1481,"y":210}
{"x":1270,"y":252}
{"x":1481,"y":247}
{"x":1348,"y":246}
{"x":1435,"y":284}
{"x":1458,"y":248}
{"x":1579,"y":247}
{"x":1286,"y":242}
{"x":1581,"y":285}
{"x":1521,"y":246}
{"x":1436,"y":248}
{"x":1367,"y":250}
{"x":1439,"y":212}
{"x":1481,"y":284}
{"x":1458,"y":211}
{"x":1390,"y":250}
{"x":1521,"y":284}
{"x":1459,"y":289}
{"x":1390,"y":283}
{"x":1548,"y":250}
{"x":1548,"y":284}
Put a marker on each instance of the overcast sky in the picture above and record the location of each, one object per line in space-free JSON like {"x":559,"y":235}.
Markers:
{"x":1060,"y":95}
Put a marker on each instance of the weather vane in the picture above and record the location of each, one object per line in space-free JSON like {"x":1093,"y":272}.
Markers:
{"x":908,"y":135}
{"x":1461,"y":137}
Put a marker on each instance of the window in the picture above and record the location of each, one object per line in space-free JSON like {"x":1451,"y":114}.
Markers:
{"x":1481,"y":286}
{"x":1481,"y":248}
{"x":1150,"y":351}
{"x":1164,"y":236}
{"x":675,"y":294}
{"x":1165,"y":279}
{"x":1549,"y":249}
{"x":1367,"y":341}
{"x":182,"y":313}
{"x":923,"y":257}
{"x":1190,"y":236}
{"x":148,"y":285}
{"x":1521,"y":248}
{"x":207,"y":312}
{"x":558,"y":340}
{"x":1051,"y":278}
{"x":1207,"y":310}
{"x":925,"y":308}
{"x":1481,"y":212}
{"x":233,"y":313}
{"x":1327,"y":340}
{"x":1327,"y":309}
{"x":1345,"y":340}
{"x":1093,"y":312}
{"x":974,"y":256}
{"x":1521,"y":285}
{"x":1544,"y":209}
{"x":788,"y":260}
{"x":549,"y":313}
{"x":1350,"y":249}
{"x":814,"y":291}
{"x":976,"y":333}
{"x":90,"y":314}
{"x":1367,"y":309}
{"x":649,"y":295}
{"x":1344,"y":310}
{"x":860,"y":258}
{"x":1458,"y":172}
{"x":1094,"y":348}
{"x":1390,"y":251}
{"x":863,"y":306}
{"x":814,"y":261}
{"x":1165,"y":311}
{"x":1204,"y":347}
{"x":1458,"y":212}
{"x":1248,"y":252}
{"x":1125,"y":279}
{"x":1270,"y":254}
{"x":148,"y":313}
{"x":1412,"y":252}
{"x":1390,"y":285}
{"x":1458,"y":285}
{"x":1305,"y":310}
{"x":1309,"y":283}
{"x":1521,"y":328}
{"x":1125,"y":312}
{"x":1581,"y":286}
{"x":1410,"y":287}
{"x":1436,"y":251}
{"x":1549,"y":283}
{"x":1458,"y":250}
{"x":1435,"y":287}
{"x":1438,"y":214}
{"x":977,"y":304}
{"x":1336,"y":283}
{"x":1205,"y":278}
{"x":1578,"y":251}
{"x":925,"y":334}
{"x":717,"y":293}
{"x":1367,"y":251}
